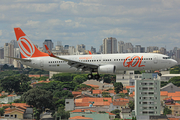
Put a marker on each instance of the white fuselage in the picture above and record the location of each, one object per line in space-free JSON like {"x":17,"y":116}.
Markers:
{"x":123,"y":62}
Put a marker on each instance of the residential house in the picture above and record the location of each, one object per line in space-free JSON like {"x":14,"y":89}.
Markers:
{"x":125,"y":113}
{"x":119,"y":104}
{"x":175,"y":107}
{"x":92,"y":114}
{"x":17,"y":111}
{"x":171,"y":88}
{"x":80,"y":118}
{"x":9,"y":98}
{"x":96,"y":104}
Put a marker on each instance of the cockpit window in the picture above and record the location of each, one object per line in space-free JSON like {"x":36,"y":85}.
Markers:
{"x":166,"y":57}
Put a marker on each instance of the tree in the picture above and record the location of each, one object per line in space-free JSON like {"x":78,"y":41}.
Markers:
{"x":62,"y":114}
{"x":116,"y":112}
{"x":63,"y":77}
{"x":175,"y":81}
{"x":38,"y":98}
{"x":163,"y":83}
{"x":105,"y":94}
{"x":83,"y":87}
{"x":167,"y":111}
{"x":79,"y":79}
{"x":118,"y":87}
{"x":131,"y":105}
{"x":17,"y":83}
{"x":10,"y":84}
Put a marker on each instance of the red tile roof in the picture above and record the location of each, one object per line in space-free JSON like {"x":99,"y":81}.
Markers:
{"x":97,"y":91}
{"x":97,"y":101}
{"x":79,"y":117}
{"x":122,"y":99}
{"x":163,"y":93}
{"x":120,"y":103}
{"x":83,"y":110}
{"x":110,"y":113}
{"x":128,"y":87}
{"x":40,"y":82}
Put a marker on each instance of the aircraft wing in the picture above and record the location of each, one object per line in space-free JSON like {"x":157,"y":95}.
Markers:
{"x":74,"y":63}
{"x":24,"y":60}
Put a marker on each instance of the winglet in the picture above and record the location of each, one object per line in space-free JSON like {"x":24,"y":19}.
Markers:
{"x":90,"y":53}
{"x":49,"y":52}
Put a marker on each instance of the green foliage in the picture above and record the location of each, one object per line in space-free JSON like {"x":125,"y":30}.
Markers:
{"x":131,"y":105}
{"x":1,"y":111}
{"x":83,"y":87}
{"x":61,"y":113}
{"x":175,"y":81}
{"x":133,"y":118}
{"x":122,"y":95}
{"x":108,"y":78}
{"x":17,"y":83}
{"x":63,"y":77}
{"x":118,"y":87}
{"x":105,"y":94}
{"x":63,"y":94}
{"x":167,"y":111}
{"x":163,"y":83}
{"x":175,"y":69}
{"x":18,"y":101}
{"x":38,"y":98}
{"x":137,"y":72}
{"x":79,"y":79}
{"x":116,"y":112}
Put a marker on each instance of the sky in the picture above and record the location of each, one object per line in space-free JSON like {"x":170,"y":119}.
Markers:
{"x":88,"y":22}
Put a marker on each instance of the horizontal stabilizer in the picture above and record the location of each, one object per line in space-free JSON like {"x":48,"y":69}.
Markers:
{"x":24,"y":60}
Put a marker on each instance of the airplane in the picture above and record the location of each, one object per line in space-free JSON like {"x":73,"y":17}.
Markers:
{"x":100,"y":63}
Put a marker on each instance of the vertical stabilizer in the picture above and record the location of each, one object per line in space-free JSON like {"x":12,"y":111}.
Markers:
{"x":27,"y":48}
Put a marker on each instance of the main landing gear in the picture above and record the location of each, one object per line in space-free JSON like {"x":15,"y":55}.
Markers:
{"x":90,"y":76}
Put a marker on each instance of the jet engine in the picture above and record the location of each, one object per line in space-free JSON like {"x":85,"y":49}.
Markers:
{"x":107,"y":69}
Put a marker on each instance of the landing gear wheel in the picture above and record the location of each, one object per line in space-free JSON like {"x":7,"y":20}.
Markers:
{"x":90,"y":76}
{"x":97,"y":77}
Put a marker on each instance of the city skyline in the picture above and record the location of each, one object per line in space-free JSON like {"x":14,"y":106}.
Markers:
{"x":146,"y":23}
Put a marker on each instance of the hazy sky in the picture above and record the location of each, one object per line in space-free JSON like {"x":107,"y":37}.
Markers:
{"x":144,"y":22}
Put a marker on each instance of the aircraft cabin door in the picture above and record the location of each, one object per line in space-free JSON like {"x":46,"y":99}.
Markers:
{"x":155,"y":59}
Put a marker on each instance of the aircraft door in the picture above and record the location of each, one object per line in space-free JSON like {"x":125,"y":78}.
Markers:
{"x":155,"y":59}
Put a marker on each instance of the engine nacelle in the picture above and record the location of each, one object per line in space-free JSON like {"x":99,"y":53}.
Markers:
{"x":107,"y":69}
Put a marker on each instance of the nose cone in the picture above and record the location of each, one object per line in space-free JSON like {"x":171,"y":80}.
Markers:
{"x":174,"y":62}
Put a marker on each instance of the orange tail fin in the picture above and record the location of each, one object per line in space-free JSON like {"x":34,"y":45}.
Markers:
{"x":27,"y":48}
{"x":90,"y":53}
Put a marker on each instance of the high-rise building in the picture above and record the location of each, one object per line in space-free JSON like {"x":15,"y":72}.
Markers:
{"x":147,"y":97}
{"x":16,"y":63}
{"x":109,"y":45}
{"x":14,"y":42}
{"x":101,"y":49}
{"x":1,"y":53}
{"x":152,"y":48}
{"x":66,"y":47}
{"x":49,"y":44}
{"x":128,"y":47}
{"x":162,"y":50}
{"x":121,"y":47}
{"x":93,"y":50}
{"x":80,"y":48}
{"x":72,"y":50}
{"x":8,"y":51}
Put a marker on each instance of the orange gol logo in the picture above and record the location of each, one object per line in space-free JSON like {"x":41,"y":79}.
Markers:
{"x":85,"y":58}
{"x":133,"y":61}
